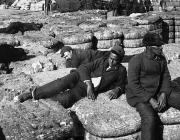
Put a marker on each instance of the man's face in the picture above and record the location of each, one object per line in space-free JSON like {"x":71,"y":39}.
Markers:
{"x":113,"y":59}
{"x":67,"y":55}
{"x":157,"y":50}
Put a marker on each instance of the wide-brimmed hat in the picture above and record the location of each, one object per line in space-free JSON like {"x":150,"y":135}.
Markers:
{"x":152,"y":39}
{"x":65,"y":49}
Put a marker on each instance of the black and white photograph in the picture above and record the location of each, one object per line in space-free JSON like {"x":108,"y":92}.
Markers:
{"x":89,"y":69}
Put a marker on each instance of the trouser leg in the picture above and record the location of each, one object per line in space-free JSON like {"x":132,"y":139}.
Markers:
{"x":69,"y":97}
{"x":150,"y":122}
{"x":57,"y":86}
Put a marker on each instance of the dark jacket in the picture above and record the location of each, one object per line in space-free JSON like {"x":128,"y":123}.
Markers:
{"x":111,"y":78}
{"x":84,"y":56}
{"x":146,"y":78}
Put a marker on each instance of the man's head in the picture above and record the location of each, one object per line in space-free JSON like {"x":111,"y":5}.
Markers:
{"x":66,"y":52}
{"x":153,"y":43}
{"x":116,"y":55}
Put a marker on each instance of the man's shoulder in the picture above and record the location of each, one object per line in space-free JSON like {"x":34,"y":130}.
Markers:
{"x":136,"y":57}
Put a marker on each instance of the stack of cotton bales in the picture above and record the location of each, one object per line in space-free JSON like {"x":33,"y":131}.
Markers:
{"x":177,"y":27}
{"x":39,"y":6}
{"x":73,"y":36}
{"x":152,"y":22}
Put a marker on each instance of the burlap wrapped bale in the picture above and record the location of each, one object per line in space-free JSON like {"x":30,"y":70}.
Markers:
{"x":120,"y":21}
{"x":72,"y":38}
{"x":133,"y":51}
{"x":115,"y":118}
{"x":9,"y":39}
{"x":170,"y":132}
{"x":147,"y":18}
{"x":107,"y":118}
{"x":134,"y":32}
{"x":105,"y":33}
{"x":177,"y":34}
{"x":92,"y":24}
{"x":106,"y":44}
{"x":177,"y":40}
{"x":82,"y":46}
{"x":177,"y":20}
{"x":133,"y":43}
{"x":41,"y":38}
{"x":177,"y":28}
{"x":135,"y":136}
{"x":60,"y":29}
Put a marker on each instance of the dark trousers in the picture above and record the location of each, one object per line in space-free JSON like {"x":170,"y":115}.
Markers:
{"x":151,"y":126}
{"x":68,"y":90}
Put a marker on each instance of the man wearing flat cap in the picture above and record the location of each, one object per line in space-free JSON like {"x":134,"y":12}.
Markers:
{"x":105,"y":73}
{"x":76,"y":57}
{"x":149,"y":86}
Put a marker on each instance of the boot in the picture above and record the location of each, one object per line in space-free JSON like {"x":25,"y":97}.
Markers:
{"x":24,"y":96}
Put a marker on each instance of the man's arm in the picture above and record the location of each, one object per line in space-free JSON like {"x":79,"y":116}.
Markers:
{"x":85,"y":75}
{"x":85,"y":70}
{"x":166,"y":81}
{"x":134,"y":84}
{"x":119,"y":85}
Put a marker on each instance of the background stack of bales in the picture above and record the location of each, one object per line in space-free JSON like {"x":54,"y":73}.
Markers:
{"x":33,"y":5}
{"x":168,"y":26}
{"x":129,"y":30}
{"x":172,"y":3}
{"x":73,"y":36}
{"x":177,"y":26}
{"x":168,"y":4}
{"x":150,"y":21}
{"x":37,"y":6}
{"x":155,"y":5}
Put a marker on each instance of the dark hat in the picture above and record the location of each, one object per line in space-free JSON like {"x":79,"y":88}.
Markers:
{"x":118,"y":49}
{"x":65,"y":49}
{"x":152,"y":39}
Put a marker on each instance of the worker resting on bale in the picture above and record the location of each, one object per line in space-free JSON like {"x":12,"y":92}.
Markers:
{"x":149,"y":86}
{"x":76,"y":57}
{"x":88,"y":80}
{"x":15,"y":27}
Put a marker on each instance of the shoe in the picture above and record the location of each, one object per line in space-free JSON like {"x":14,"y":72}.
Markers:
{"x":24,"y":96}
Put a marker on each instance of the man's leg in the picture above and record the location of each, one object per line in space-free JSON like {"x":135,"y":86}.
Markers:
{"x":150,"y":122}
{"x":69,"y":97}
{"x":52,"y":88}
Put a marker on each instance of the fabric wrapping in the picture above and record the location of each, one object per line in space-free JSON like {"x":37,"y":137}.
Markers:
{"x":114,"y":118}
{"x":106,"y":44}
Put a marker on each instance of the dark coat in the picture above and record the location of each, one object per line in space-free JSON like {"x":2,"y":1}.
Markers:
{"x":84,"y":56}
{"x":146,"y":78}
{"x":113,"y":77}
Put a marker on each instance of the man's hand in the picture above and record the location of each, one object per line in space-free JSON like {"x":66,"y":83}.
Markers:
{"x":90,"y":90}
{"x":113,"y":94}
{"x":154,"y":103}
{"x":161,"y":101}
